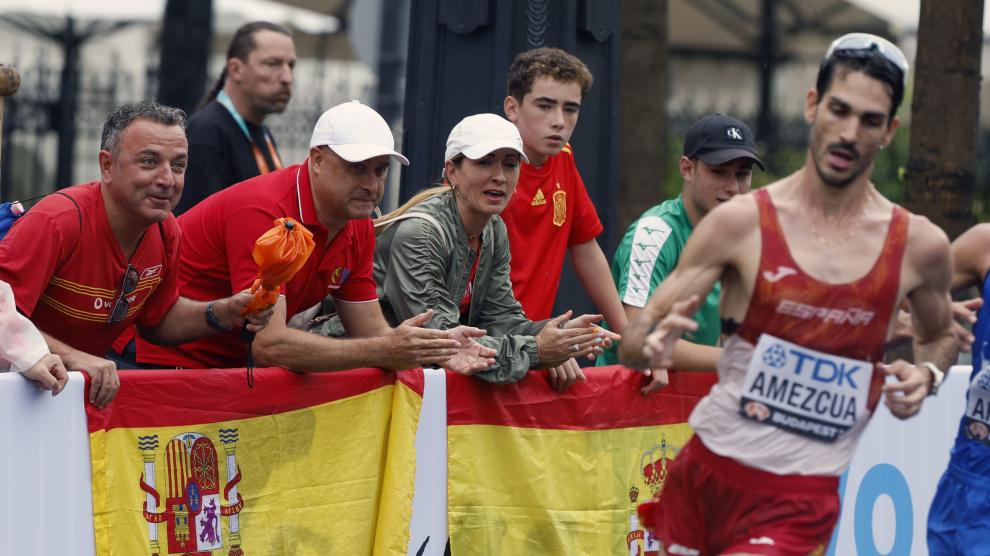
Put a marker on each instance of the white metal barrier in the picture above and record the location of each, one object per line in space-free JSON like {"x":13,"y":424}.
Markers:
{"x":46,"y":501}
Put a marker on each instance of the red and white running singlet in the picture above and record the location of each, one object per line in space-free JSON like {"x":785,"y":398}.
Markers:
{"x":797,"y":382}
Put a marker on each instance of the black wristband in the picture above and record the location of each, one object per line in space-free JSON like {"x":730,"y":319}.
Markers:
{"x":213,"y":321}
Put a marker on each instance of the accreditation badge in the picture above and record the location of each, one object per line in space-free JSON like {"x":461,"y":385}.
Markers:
{"x":803,"y":391}
{"x":976,"y":421}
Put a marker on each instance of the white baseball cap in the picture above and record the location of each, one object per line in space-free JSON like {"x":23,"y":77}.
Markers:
{"x":478,"y":135}
{"x":355,"y":132}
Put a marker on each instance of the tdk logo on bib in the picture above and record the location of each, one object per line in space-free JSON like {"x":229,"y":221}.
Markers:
{"x":821,"y":370}
{"x":804,"y":391}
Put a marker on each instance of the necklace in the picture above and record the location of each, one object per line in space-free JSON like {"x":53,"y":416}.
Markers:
{"x":851,"y":230}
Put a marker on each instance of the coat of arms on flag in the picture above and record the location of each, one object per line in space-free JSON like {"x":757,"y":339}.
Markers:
{"x":653,"y":463}
{"x":193,"y":505}
{"x":301,"y":464}
{"x":532,"y":468}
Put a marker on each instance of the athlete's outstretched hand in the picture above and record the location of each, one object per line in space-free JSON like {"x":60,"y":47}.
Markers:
{"x":659,"y":346}
{"x":904,"y":396}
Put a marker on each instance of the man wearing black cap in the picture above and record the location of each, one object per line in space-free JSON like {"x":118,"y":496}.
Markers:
{"x":719,"y":154}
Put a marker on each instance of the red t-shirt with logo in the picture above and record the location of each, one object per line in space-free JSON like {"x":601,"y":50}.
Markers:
{"x":218,"y":238}
{"x":549,"y":212}
{"x":67,"y":279}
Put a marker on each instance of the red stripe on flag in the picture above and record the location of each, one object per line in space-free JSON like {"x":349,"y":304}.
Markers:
{"x":609,"y":399}
{"x":414,"y":380}
{"x":187,"y":397}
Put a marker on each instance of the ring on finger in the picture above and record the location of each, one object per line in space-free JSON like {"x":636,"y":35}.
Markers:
{"x":576,"y":348}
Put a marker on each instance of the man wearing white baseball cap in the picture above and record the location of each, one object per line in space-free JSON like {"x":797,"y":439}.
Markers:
{"x":333,"y":194}
{"x":448,"y":250}
{"x":355,"y":133}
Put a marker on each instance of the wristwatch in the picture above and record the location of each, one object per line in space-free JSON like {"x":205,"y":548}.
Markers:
{"x":937,"y":377}
{"x":213,"y":321}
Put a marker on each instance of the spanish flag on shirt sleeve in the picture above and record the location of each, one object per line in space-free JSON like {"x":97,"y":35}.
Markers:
{"x":196,"y":462}
{"x":533,"y":471}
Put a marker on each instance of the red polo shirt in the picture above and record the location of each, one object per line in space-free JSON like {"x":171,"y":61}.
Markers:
{"x":218,"y":238}
{"x":67,"y":278}
{"x":549,"y":212}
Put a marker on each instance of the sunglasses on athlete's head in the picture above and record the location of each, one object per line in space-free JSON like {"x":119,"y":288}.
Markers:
{"x":127,"y":286}
{"x":864,"y":43}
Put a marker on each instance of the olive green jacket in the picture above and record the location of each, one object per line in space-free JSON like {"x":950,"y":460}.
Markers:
{"x":424,"y":262}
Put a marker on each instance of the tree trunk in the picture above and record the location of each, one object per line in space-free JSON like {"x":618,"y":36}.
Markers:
{"x":945,"y":113}
{"x":643,"y":113}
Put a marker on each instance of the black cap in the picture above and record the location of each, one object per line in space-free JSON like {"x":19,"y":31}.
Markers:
{"x":717,"y":139}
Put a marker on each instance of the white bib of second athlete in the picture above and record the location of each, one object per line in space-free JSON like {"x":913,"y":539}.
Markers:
{"x":803,"y":391}
{"x":978,"y":406}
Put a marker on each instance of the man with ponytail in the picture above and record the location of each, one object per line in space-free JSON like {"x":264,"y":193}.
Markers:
{"x":228,"y":142}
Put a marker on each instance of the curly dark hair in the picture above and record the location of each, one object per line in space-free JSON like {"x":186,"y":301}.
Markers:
{"x":549,"y":62}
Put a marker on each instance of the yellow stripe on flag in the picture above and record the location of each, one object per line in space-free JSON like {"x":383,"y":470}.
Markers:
{"x":514,"y":490}
{"x":392,"y":531}
{"x":310,"y":480}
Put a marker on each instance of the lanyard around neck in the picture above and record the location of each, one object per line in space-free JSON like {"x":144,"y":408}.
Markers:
{"x":224,"y":99}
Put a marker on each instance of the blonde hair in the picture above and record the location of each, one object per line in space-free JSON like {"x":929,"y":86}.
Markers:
{"x":382,"y":222}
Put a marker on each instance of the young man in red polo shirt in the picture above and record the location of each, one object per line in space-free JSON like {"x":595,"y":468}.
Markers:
{"x":332,"y":194}
{"x":550,"y":215}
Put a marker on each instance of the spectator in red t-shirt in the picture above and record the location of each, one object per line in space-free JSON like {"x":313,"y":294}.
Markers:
{"x":87,"y":263}
{"x":550,"y":215}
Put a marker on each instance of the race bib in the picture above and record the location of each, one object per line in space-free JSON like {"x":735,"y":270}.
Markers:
{"x":803,"y":391}
{"x":977,"y":418}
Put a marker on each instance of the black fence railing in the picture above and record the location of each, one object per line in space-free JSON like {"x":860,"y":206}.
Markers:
{"x":32,"y":123}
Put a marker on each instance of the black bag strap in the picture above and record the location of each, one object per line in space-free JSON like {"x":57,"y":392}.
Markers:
{"x":78,"y":213}
{"x":161,"y":225}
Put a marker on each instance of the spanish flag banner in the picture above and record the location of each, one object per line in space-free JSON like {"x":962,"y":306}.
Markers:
{"x":195,"y":462}
{"x":392,"y":529}
{"x":534,"y":471}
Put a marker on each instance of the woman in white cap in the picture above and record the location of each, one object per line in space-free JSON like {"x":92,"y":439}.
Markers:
{"x":447,"y":249}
